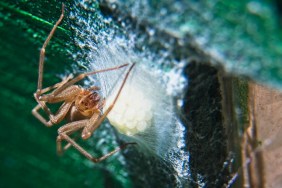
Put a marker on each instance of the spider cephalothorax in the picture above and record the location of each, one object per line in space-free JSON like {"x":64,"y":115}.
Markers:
{"x":88,"y":102}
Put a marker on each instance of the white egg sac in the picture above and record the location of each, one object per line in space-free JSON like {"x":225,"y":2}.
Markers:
{"x":134,"y":109}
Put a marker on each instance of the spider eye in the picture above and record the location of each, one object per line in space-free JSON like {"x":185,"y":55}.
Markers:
{"x":95,"y":97}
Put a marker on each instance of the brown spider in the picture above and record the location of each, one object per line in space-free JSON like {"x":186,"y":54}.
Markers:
{"x":82,"y":107}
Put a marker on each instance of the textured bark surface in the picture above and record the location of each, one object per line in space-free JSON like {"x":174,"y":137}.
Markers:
{"x":265,"y":148}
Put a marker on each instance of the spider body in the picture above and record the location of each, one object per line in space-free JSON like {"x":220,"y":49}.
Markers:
{"x":87,"y":103}
{"x":81,"y":107}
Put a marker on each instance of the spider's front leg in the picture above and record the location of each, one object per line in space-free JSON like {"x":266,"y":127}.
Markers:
{"x":42,"y":52}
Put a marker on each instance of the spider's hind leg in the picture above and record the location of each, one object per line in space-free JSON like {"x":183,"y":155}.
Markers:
{"x":72,"y":127}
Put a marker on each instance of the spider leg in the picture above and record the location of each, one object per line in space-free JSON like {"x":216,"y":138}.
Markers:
{"x":42,"y":52}
{"x":54,"y":119}
{"x":69,"y":128}
{"x":36,"y":114}
{"x":83,"y":75}
{"x":57,"y":85}
{"x":68,"y":145}
{"x":88,"y":155}
{"x":66,"y":95}
{"x":72,"y":127}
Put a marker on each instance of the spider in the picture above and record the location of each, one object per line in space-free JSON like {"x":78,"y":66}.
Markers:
{"x":82,"y":107}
